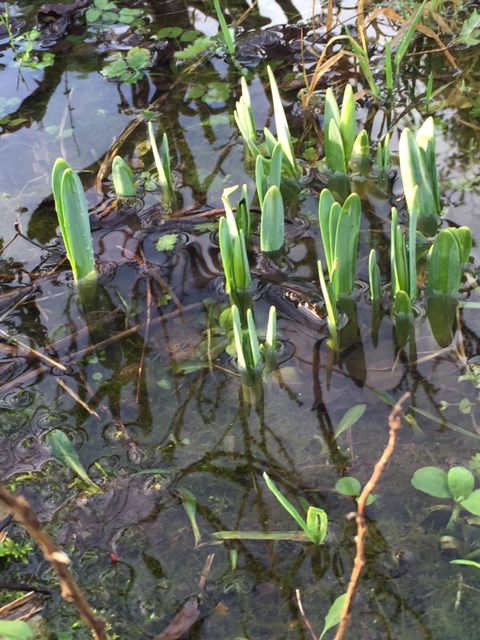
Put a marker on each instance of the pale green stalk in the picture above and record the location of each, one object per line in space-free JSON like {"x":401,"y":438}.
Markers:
{"x":271,"y":335}
{"x":123,"y":180}
{"x":74,"y":221}
{"x":330,"y":305}
{"x":283,"y":131}
{"x":374,"y":277}
{"x":272,"y":222}
{"x":162,"y":163}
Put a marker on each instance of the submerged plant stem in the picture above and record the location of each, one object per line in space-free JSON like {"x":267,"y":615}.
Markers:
{"x":394,"y":423}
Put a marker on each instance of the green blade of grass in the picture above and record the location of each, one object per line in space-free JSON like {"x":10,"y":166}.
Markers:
{"x":190,"y":505}
{"x":271,"y":335}
{"x":62,"y":448}
{"x":407,"y":38}
{"x":325,"y":204}
{"x":288,"y":506}
{"x":226,"y":34}
{"x":283,"y":131}
{"x":226,"y":253}
{"x":388,"y":66}
{"x":330,"y":305}
{"x":241,"y":269}
{"x":238,"y":337}
{"x":294,"y":536}
{"x":330,"y":112}
{"x":426,"y":140}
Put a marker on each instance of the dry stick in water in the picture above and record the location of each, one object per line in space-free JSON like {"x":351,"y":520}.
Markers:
{"x":21,"y":511}
{"x":394,"y":423}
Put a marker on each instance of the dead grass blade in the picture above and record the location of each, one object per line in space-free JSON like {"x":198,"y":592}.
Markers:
{"x":73,"y":394}
{"x":392,"y":15}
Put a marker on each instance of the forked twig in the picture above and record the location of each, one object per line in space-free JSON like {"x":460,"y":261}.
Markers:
{"x":70,"y":591}
{"x":394,"y":423}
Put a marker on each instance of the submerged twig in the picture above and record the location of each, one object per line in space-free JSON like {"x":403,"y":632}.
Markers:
{"x":73,"y":394}
{"x":131,"y":330}
{"x":144,"y":345}
{"x":25,"y":348}
{"x":190,"y":611}
{"x":394,"y":423}
{"x":306,"y":621}
{"x":59,"y":561}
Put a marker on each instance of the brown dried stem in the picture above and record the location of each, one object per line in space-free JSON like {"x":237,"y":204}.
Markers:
{"x":70,"y":591}
{"x":394,"y":423}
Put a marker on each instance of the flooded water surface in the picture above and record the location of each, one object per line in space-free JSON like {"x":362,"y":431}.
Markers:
{"x":141,"y":375}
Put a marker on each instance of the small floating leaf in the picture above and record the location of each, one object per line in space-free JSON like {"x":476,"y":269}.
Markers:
{"x":472,"y":503}
{"x":460,"y":483}
{"x":348,"y":486}
{"x":431,"y":480}
{"x":166,"y":242}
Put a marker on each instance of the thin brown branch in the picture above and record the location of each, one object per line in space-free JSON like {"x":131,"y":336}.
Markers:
{"x":394,"y":423}
{"x":30,"y":351}
{"x":73,"y":394}
{"x":70,"y":591}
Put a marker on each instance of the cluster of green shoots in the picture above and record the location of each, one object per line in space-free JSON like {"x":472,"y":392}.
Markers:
{"x":421,"y":249}
{"x":72,"y":210}
{"x":442,"y":255}
{"x":234,"y":235}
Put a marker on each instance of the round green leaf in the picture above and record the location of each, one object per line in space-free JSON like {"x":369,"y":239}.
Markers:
{"x":138,"y":58}
{"x":431,"y":480}
{"x":460,"y":483}
{"x":472,"y":503}
{"x":348,"y":486}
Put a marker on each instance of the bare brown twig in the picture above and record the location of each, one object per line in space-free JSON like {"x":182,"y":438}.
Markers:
{"x":59,"y":561}
{"x":394,"y":423}
{"x":306,"y":621}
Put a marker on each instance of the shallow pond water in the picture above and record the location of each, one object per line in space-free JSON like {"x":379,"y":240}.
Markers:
{"x":164,"y":409}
